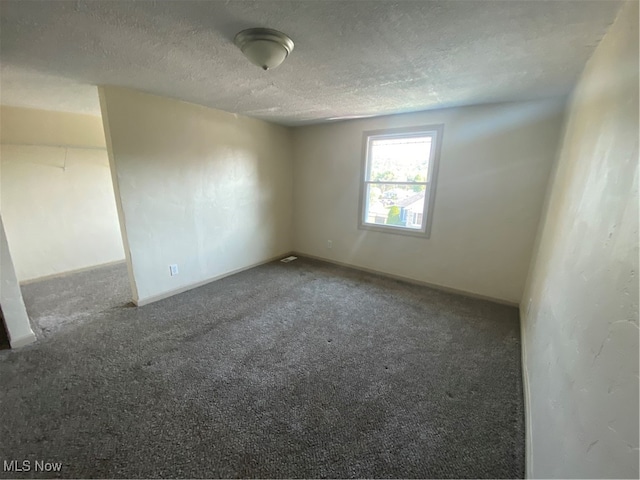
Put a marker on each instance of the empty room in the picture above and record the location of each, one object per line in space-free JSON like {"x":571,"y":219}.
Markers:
{"x":319,"y":239}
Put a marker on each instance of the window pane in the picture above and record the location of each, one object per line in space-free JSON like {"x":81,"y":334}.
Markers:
{"x":395,"y":205}
{"x":399,"y":159}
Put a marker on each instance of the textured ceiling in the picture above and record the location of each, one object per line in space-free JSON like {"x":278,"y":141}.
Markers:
{"x":352,"y":57}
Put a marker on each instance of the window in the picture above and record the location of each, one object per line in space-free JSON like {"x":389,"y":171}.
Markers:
{"x":398,"y":179}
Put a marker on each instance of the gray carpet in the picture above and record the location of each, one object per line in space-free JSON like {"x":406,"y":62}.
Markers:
{"x":299,"y":370}
{"x":69,"y":300}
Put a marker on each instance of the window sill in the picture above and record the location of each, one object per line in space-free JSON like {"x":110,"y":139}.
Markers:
{"x":394,"y":230}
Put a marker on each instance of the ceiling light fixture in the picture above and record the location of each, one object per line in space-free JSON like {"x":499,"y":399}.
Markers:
{"x":264,"y":47}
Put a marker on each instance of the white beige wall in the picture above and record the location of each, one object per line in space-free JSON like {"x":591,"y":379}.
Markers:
{"x":43,"y":127}
{"x":56,"y":194}
{"x":581,"y":329}
{"x":11,"y":302}
{"x":207,"y":190}
{"x":494,"y":168}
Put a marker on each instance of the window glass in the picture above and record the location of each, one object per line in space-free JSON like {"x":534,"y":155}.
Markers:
{"x":398,"y":180}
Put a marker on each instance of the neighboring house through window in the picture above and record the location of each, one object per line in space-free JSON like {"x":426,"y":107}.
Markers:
{"x":398,"y":179}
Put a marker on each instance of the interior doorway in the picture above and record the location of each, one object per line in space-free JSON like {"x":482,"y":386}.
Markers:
{"x":60,"y":216}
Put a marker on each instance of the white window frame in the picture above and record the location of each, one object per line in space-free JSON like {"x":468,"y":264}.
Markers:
{"x":433,"y":131}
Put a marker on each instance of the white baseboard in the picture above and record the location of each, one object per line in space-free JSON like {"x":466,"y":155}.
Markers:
{"x":435,"y":286}
{"x":527,"y":400}
{"x":70,"y":272}
{"x":23,"y":340}
{"x":169,"y":293}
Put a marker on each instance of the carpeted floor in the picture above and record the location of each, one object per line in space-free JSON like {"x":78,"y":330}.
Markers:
{"x":70,"y":300}
{"x":299,"y":370}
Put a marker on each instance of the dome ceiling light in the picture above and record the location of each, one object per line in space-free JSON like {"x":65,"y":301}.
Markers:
{"x":264,"y":47}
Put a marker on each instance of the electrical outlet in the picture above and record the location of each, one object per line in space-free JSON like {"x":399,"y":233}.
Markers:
{"x":329,"y":244}
{"x":173,"y":270}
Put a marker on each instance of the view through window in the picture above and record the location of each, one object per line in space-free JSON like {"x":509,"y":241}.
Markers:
{"x":398,"y":180}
